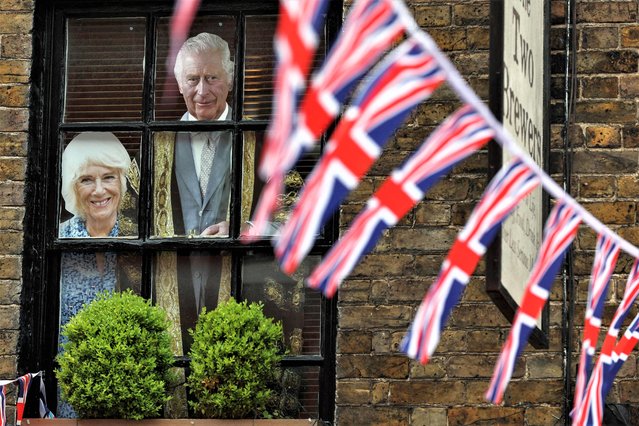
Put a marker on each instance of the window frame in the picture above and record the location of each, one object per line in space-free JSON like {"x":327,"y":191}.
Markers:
{"x":43,"y":248}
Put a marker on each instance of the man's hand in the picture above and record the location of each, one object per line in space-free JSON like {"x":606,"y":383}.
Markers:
{"x":218,"y":230}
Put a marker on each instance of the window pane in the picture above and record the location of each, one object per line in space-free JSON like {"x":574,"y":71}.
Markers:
{"x":184,"y":283}
{"x":100,"y":184}
{"x":169,"y":103}
{"x":252,"y":185}
{"x":286,"y":299}
{"x":299,"y":393}
{"x":259,"y":65}
{"x":181,"y":206}
{"x":105,"y":69}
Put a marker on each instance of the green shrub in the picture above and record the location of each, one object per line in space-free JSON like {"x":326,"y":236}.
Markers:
{"x":116,"y":361}
{"x":234,"y":358}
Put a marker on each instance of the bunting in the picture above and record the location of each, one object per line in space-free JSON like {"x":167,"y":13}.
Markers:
{"x":296,"y":39}
{"x":512,"y":184}
{"x":408,"y":76}
{"x":370,"y":28}
{"x":604,"y":264}
{"x":590,"y":412}
{"x":587,"y":409}
{"x":43,"y":408}
{"x":3,"y":405}
{"x":24,"y":382}
{"x":560,"y":230}
{"x":458,"y":137}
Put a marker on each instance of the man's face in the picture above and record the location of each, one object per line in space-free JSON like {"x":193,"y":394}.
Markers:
{"x":204,"y":85}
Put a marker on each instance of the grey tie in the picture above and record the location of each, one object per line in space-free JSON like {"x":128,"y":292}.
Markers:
{"x":208,"y":153}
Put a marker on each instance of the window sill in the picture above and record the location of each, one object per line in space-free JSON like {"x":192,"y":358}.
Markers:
{"x":169,"y":422}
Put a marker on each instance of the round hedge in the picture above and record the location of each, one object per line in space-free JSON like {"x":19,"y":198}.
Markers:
{"x":116,"y":360}
{"x":234,"y":359}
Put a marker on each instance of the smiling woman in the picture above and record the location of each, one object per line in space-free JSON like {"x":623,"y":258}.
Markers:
{"x":94,"y":181}
{"x":94,"y":167}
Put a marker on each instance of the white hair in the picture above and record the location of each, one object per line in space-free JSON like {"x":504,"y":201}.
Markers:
{"x":86,"y":149}
{"x":205,"y":42}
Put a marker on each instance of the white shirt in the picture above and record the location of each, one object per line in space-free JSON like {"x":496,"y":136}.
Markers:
{"x":198,"y":140}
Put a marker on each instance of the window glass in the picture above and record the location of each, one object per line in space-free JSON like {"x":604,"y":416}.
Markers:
{"x":185,"y":282}
{"x":100,"y":183}
{"x":186,"y":202}
{"x":169,"y":103}
{"x":104,"y":69}
{"x":259,"y":64}
{"x":286,"y":299}
{"x":301,"y":386}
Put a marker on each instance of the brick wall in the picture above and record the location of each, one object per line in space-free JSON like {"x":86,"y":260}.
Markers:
{"x":375,"y":383}
{"x":605,"y":136}
{"x":16,"y":17}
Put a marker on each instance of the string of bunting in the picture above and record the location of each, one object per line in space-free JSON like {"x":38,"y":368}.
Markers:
{"x":380,"y":103}
{"x":23,"y":384}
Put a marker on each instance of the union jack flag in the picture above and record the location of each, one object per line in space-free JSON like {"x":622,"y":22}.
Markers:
{"x":23,"y":387}
{"x":559,"y":232}
{"x":3,"y":405}
{"x":296,"y":40}
{"x":606,"y":256}
{"x":406,"y":77}
{"x":458,"y":137}
{"x":371,"y":27}
{"x":513,"y":182}
{"x":45,"y":413}
{"x":590,"y":412}
{"x":610,"y":359}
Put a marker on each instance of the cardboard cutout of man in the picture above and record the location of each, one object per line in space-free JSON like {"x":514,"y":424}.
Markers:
{"x":202,"y":167}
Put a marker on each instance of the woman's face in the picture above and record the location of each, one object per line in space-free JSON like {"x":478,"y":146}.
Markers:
{"x":98,"y":189}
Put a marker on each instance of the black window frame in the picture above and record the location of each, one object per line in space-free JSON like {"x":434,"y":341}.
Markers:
{"x":42,"y":247}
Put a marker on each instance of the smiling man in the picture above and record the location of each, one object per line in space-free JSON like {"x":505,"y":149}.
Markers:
{"x":201,"y":179}
{"x":204,"y":73}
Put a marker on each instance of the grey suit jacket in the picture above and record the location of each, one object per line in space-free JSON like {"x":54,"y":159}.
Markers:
{"x":198,"y":212}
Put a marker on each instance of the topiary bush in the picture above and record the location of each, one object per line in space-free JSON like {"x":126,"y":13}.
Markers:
{"x":116,"y":360}
{"x":234,"y":359}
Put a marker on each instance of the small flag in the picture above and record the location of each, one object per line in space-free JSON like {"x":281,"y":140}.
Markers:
{"x":512,"y":184}
{"x":606,"y":256}
{"x":610,"y":358}
{"x":296,"y":39}
{"x":45,"y":413}
{"x":458,"y":137}
{"x":3,"y":405}
{"x":407,"y":76}
{"x":560,"y":230}
{"x":24,"y":382}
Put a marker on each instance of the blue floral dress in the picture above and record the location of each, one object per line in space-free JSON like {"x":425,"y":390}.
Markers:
{"x":80,"y":281}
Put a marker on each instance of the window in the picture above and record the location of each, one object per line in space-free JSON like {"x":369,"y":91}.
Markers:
{"x":110,"y":95}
